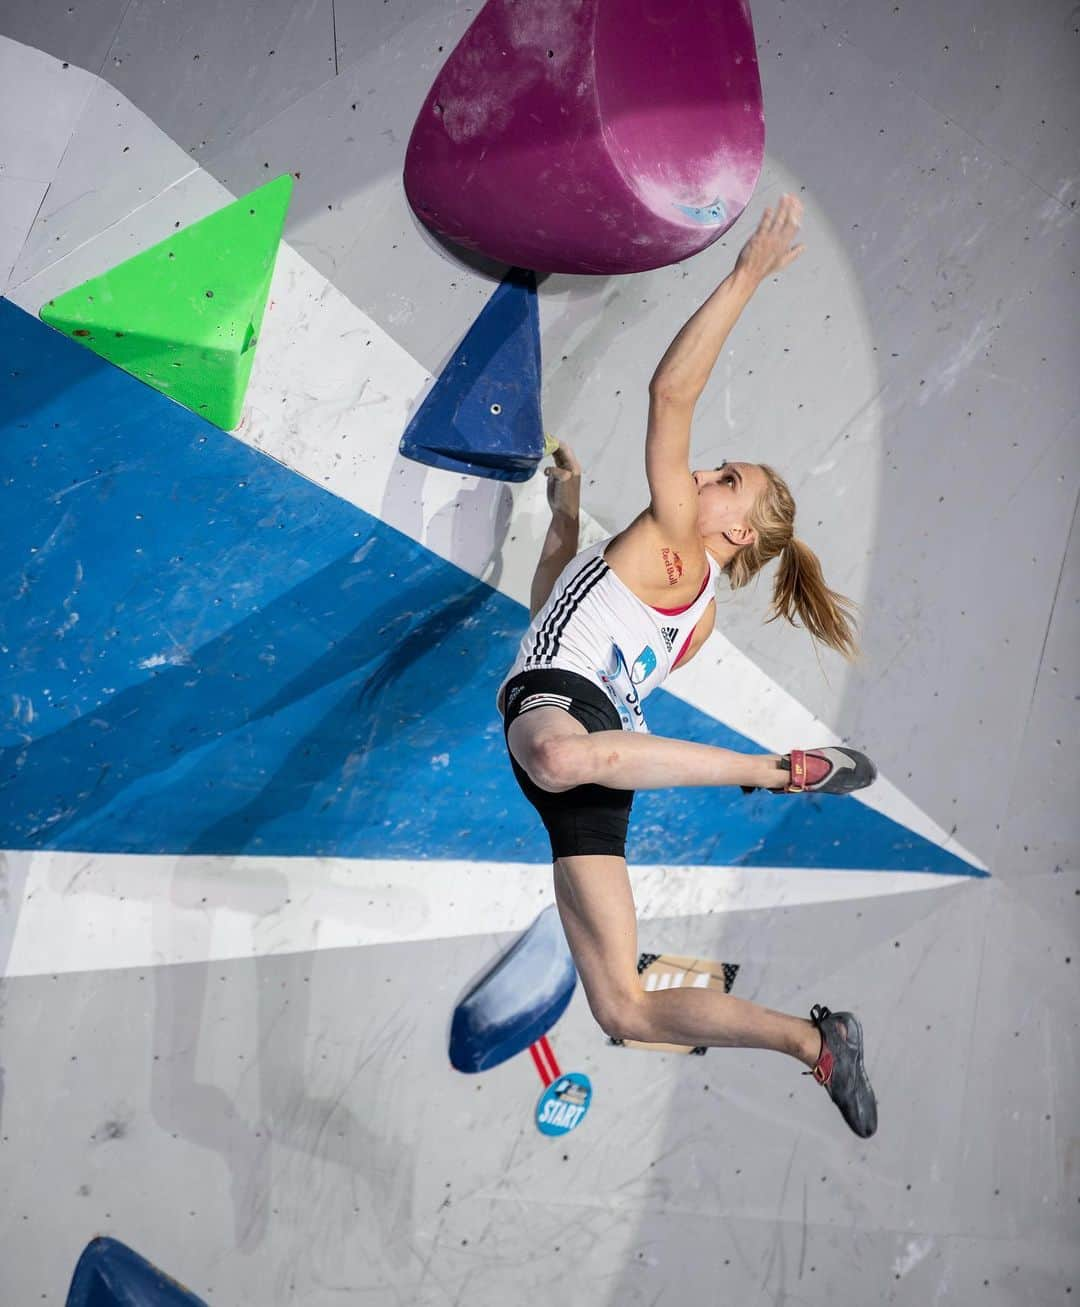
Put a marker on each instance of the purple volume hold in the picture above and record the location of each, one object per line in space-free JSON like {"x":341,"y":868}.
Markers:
{"x":591,"y":136}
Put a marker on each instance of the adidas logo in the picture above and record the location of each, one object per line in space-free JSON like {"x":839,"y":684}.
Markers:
{"x":669,"y":633}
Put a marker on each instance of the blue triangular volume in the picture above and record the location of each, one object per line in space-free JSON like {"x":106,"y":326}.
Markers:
{"x":194,"y":669}
{"x":110,"y":1274}
{"x":482,"y":416}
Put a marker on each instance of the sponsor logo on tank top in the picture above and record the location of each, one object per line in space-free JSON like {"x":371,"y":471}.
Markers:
{"x":669,"y":633}
{"x":621,"y":683}
{"x":644,"y":666}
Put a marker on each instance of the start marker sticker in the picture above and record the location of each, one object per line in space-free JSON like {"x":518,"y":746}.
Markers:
{"x":563,"y":1104}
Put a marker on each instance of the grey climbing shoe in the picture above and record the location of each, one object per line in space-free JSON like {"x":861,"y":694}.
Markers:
{"x":840,"y":1069}
{"x":829,"y":770}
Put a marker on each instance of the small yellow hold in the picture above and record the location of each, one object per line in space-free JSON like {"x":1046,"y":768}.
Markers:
{"x":550,"y":443}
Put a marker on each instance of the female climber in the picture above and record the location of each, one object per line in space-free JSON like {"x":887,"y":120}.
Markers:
{"x":608,"y":625}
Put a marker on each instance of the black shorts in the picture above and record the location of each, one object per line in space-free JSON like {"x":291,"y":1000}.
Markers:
{"x":588,"y":818}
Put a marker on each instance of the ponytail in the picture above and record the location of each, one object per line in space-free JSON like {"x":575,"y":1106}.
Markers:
{"x":799,"y":591}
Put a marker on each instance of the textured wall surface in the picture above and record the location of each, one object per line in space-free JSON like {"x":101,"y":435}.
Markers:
{"x":259,"y":836}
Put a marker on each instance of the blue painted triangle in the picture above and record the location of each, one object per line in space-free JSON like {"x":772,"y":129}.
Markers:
{"x":482,"y":416}
{"x":207,"y":653}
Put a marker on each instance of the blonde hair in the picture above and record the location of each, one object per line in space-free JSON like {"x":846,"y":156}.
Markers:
{"x":799,"y":589}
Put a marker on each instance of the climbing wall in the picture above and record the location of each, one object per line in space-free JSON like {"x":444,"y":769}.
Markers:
{"x":260,"y":840}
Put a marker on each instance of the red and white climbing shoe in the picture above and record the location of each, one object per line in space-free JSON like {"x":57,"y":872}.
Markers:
{"x":832,"y":770}
{"x":840,"y":1069}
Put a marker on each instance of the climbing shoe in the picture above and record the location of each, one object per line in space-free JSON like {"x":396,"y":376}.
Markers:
{"x":830,"y":770}
{"x":840,"y":1069}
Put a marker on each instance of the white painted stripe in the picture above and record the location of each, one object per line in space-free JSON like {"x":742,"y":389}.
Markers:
{"x":102,"y":912}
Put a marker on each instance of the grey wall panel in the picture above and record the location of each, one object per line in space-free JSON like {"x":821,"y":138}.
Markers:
{"x":40,"y":104}
{"x":116,"y":164}
{"x":33,"y":141}
{"x":231,"y":66}
{"x":296,"y":1121}
{"x":1040,"y":831}
{"x":347,"y":139}
{"x":414,"y":31}
{"x":20,"y":201}
{"x":80,"y":33}
{"x":1016,"y":1175}
{"x":1008,"y":74}
{"x":190,"y":72}
{"x":974,"y":520}
{"x":278,"y":1126}
{"x":1022,"y":1149}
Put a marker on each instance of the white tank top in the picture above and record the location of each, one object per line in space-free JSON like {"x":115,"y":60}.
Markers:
{"x":595,"y":625}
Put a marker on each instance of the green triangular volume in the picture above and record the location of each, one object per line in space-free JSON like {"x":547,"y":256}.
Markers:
{"x":184,"y":315}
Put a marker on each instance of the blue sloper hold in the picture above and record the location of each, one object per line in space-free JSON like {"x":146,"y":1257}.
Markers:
{"x":482,"y":416}
{"x":109,"y":1274}
{"x":517,"y":1001}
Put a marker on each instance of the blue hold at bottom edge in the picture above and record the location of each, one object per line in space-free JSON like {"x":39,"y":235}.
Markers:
{"x":109,"y":1274}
